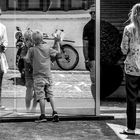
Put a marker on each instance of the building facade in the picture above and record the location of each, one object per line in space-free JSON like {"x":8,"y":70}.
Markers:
{"x":45,"y":15}
{"x":43,"y":5}
{"x":71,"y":15}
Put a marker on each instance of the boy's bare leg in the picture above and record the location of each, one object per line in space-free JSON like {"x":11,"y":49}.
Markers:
{"x":55,"y":117}
{"x":52,"y":104}
{"x":42,"y":106}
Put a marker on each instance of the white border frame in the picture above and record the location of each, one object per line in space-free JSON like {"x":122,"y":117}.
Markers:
{"x":97,"y":71}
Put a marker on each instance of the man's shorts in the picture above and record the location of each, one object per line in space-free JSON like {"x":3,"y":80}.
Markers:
{"x":39,"y":85}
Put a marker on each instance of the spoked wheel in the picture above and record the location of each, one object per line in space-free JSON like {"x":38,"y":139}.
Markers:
{"x":69,"y":58}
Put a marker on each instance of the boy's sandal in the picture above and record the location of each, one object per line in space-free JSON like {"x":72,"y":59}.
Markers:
{"x":128,"y":133}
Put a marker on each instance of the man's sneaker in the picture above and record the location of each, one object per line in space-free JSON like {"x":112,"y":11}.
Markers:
{"x":55,"y":117}
{"x":42,"y":118}
{"x":128,"y":132}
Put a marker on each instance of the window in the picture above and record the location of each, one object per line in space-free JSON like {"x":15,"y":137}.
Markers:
{"x":24,"y":4}
{"x":55,"y":4}
{"x":45,"y":4}
{"x":33,"y":4}
{"x":76,"y":4}
{"x":14,"y":4}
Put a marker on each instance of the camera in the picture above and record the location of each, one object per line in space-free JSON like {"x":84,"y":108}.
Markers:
{"x":59,"y":33}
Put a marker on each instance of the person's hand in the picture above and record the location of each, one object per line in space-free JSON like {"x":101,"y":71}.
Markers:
{"x":87,"y":65}
{"x":57,"y":38}
{"x":2,"y":48}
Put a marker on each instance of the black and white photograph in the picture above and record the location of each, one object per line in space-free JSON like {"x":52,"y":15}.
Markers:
{"x":69,"y":70}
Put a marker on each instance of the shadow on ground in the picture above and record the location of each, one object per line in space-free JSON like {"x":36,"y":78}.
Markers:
{"x":17,"y":81}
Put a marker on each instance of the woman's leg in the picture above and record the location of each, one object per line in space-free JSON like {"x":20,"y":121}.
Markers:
{"x":132,"y":83}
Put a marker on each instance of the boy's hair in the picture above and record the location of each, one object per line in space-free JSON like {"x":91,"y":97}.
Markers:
{"x":28,"y":35}
{"x":37,"y":37}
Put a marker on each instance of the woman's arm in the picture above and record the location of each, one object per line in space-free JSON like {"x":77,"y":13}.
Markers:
{"x":125,"y":41}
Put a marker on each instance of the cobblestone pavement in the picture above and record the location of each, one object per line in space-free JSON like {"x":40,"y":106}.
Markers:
{"x":65,"y":130}
{"x":70,"y":130}
{"x":71,"y":89}
{"x":66,"y":84}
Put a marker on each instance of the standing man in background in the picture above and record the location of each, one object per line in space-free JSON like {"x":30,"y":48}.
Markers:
{"x":89,"y":47}
{"x":3,"y":61}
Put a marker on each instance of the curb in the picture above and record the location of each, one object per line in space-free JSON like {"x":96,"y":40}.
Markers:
{"x":58,"y":71}
{"x":61,"y":118}
{"x":69,"y":72}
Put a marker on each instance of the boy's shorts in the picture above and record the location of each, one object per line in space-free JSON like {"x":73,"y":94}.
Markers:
{"x":39,"y":85}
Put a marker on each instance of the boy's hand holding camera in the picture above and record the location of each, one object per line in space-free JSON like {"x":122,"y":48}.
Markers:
{"x":57,"y":38}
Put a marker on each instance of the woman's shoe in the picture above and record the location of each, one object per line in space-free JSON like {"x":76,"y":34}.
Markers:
{"x":128,"y":132}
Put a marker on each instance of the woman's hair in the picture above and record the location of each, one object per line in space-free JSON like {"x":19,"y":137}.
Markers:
{"x":28,"y":35}
{"x":133,"y":17}
{"x":37,"y":37}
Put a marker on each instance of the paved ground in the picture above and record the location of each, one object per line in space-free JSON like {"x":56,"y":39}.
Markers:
{"x":66,"y":84}
{"x":71,"y":92}
{"x":73,"y":98}
{"x":70,"y":130}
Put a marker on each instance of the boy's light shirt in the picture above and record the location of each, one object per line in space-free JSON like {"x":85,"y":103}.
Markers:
{"x":40,"y":58}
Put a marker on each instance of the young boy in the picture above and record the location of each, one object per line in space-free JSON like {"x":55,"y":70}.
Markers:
{"x":28,"y":43}
{"x":40,"y":55}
